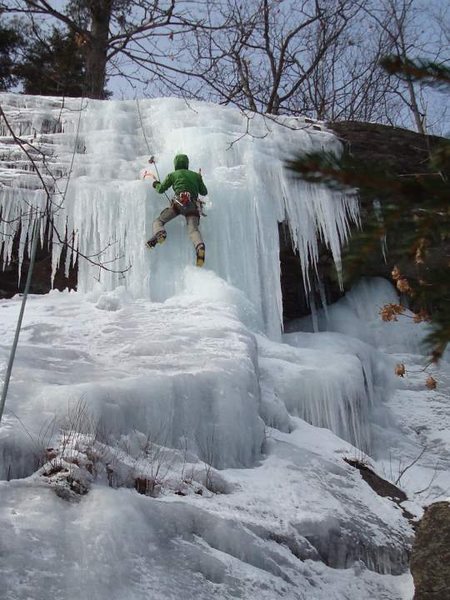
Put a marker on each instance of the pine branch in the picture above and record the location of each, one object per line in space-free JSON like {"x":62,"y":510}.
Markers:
{"x":424,"y":71}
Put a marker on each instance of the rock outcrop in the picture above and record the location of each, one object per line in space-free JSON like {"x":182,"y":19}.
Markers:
{"x":41,"y":283}
{"x":430,"y":561}
{"x":405,"y":153}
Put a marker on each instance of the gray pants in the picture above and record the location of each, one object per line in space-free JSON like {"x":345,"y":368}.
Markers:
{"x":192,"y":223}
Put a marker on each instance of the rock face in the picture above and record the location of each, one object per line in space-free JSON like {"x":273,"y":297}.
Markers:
{"x":296,"y":301}
{"x":403,"y":151}
{"x":430,"y":561}
{"x":41,"y":283}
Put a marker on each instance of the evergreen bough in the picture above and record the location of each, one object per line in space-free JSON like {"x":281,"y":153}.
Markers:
{"x":410,"y":214}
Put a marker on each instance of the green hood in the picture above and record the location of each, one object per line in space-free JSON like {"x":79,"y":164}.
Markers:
{"x":182,"y":179}
{"x":181,"y":161}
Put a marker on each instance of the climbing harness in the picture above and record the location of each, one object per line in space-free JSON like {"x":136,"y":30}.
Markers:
{"x":183,"y":199}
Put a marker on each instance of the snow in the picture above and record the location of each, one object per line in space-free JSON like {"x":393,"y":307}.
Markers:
{"x":329,"y":380}
{"x":160,"y":369}
{"x":161,"y":435}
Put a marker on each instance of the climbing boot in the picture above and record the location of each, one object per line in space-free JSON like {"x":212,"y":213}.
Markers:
{"x":158,"y":238}
{"x":200,"y":251}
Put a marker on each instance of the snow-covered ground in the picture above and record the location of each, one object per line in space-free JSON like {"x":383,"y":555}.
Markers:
{"x":161,"y":437}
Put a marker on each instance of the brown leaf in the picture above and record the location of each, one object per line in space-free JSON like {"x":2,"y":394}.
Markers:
{"x":421,"y":316}
{"x":389,"y":312}
{"x":420,"y":251}
{"x":419,"y":257}
{"x":431,"y":383}
{"x":403,"y":285}
{"x":395,"y":273}
{"x":400,"y":369}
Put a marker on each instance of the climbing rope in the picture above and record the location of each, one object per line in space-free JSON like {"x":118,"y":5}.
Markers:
{"x":35,"y":237}
{"x":142,"y":125}
{"x":34,"y":242}
{"x":152,"y":158}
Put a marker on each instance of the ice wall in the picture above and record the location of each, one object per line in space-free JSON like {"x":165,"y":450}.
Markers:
{"x":91,"y":154}
{"x":357,"y":315}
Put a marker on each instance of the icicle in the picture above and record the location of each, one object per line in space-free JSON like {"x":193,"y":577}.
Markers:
{"x":312,"y":305}
{"x":111,"y":210}
{"x":323,"y":298}
{"x":56,"y":249}
{"x":379,"y":215}
{"x":24,"y":242}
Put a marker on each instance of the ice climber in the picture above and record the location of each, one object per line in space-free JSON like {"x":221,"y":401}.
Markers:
{"x":187,"y":186}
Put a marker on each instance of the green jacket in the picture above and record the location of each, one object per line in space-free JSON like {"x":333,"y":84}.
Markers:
{"x":182,"y":179}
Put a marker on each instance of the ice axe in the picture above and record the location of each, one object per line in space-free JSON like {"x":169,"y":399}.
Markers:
{"x":152,"y":161}
{"x":147,"y":174}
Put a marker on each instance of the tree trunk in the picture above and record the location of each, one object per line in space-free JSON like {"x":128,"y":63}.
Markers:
{"x":418,"y":117}
{"x":97,"y":49}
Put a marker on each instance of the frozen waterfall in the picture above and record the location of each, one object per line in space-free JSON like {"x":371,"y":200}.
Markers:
{"x":90,"y":157}
{"x":94,"y":152}
{"x":203,"y":450}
